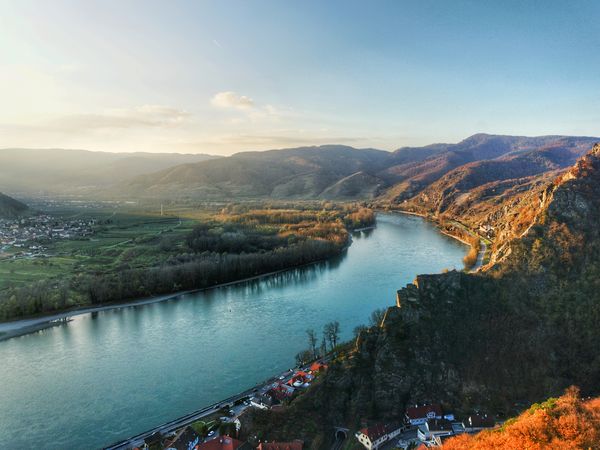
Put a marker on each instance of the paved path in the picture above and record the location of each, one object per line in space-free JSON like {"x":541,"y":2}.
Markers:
{"x":480,"y":256}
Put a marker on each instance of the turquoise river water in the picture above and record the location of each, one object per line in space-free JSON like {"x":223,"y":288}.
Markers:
{"x":109,"y":375}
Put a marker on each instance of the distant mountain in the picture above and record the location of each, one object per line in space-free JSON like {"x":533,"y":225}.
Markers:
{"x":410,"y":178}
{"x":78,"y":172}
{"x":442,"y":172}
{"x":343,"y":173}
{"x":11,"y":208}
{"x":329,"y":171}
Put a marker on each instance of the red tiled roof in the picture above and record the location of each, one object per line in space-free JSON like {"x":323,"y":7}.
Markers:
{"x":220,"y":443}
{"x":374,"y":432}
{"x":418,"y":412}
{"x":295,"y":445}
{"x":316,"y":366}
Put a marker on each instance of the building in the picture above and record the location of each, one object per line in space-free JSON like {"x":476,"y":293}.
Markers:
{"x":263,"y":401}
{"x":317,"y":367}
{"x":477,"y":422}
{"x":300,"y":379}
{"x":220,"y":443}
{"x":280,"y":391}
{"x":432,"y":428}
{"x":418,"y":415}
{"x":185,"y":439}
{"x":294,"y":445}
{"x":372,"y":437}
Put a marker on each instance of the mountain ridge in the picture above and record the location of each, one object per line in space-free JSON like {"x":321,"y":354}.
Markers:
{"x":311,"y":172}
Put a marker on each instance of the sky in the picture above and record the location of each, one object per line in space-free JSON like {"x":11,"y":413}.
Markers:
{"x":225,"y":76}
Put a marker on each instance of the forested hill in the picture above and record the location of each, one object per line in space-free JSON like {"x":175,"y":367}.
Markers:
{"x":515,"y":334}
{"x":305,"y":172}
{"x":10,"y":208}
{"x":427,"y":179}
{"x":341,"y":172}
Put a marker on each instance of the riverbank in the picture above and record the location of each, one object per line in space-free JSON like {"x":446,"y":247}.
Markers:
{"x":444,"y":232}
{"x":106,"y":370}
{"x":22,"y":327}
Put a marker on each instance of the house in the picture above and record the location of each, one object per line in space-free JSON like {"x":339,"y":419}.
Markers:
{"x":300,"y":379}
{"x":434,"y":428}
{"x":418,"y":415}
{"x":372,"y":437}
{"x":280,"y":391}
{"x":220,"y":443}
{"x":477,"y":422}
{"x":294,"y":445}
{"x":263,"y":401}
{"x":185,"y":439}
{"x":317,"y":367}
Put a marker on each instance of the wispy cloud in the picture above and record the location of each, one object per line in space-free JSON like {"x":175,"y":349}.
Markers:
{"x":232,"y":100}
{"x":139,"y":117}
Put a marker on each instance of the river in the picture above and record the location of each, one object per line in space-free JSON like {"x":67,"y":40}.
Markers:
{"x":109,"y":375}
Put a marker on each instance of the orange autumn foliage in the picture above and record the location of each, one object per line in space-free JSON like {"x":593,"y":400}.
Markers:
{"x":565,"y":423}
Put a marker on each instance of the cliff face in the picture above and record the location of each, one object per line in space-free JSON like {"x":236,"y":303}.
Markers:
{"x":523,"y":330}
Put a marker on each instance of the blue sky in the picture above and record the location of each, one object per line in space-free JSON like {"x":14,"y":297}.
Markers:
{"x":226,"y":76}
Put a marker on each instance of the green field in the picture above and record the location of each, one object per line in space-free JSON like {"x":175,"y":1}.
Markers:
{"x":120,"y":240}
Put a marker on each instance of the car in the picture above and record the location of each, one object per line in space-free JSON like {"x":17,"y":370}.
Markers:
{"x":281,"y":377}
{"x":211,"y":433}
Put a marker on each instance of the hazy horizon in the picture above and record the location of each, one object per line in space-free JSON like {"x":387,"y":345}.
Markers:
{"x":221,"y":78}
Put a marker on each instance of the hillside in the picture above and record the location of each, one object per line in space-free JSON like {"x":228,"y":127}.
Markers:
{"x":425,"y":179}
{"x":78,"y":172}
{"x":341,"y":172}
{"x":412,"y":177}
{"x":11,"y":208}
{"x":303,"y":173}
{"x":563,"y":423}
{"x":522,"y":330}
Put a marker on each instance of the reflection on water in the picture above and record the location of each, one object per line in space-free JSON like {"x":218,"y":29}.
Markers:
{"x":111,"y":374}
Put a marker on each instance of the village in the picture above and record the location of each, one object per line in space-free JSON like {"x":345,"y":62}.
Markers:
{"x":218,"y":428}
{"x":27,"y":236}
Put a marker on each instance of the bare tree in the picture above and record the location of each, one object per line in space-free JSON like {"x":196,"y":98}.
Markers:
{"x":377,"y":317}
{"x":312,"y":341}
{"x":359,"y":329}
{"x":331,"y":332}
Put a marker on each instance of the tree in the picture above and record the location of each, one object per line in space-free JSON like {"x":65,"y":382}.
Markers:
{"x":303,"y":357}
{"x":377,"y":317}
{"x":312,"y":341}
{"x":331,"y":332}
{"x":358,"y":329}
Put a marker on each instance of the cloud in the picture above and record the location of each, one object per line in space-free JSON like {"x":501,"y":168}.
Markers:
{"x":231,"y":100}
{"x":145,"y":116}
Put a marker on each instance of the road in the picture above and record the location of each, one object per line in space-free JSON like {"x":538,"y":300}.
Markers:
{"x":180,"y":422}
{"x":480,"y":256}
